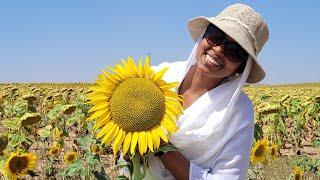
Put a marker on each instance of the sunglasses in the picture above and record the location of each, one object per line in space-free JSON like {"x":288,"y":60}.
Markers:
{"x":232,"y":50}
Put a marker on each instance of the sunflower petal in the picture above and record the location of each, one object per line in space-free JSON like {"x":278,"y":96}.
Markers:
{"x":162,"y":135}
{"x":140,"y":68}
{"x":146,"y":68}
{"x":101,"y":121}
{"x":142,"y":142}
{"x":134,"y":141}
{"x":132,"y":65}
{"x":109,"y":78}
{"x":118,"y":141}
{"x":97,"y":114}
{"x":150,"y":141}
{"x":106,"y":129}
{"x":156,"y":138}
{"x":107,"y":139}
{"x":126,"y":143}
{"x":160,"y":74}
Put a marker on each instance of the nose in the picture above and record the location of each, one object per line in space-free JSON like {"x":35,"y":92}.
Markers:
{"x":218,"y":50}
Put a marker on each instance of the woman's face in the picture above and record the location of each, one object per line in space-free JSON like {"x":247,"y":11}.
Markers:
{"x":212,"y":60}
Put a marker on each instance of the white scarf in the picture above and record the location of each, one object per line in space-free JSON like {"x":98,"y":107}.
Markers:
{"x":202,"y":128}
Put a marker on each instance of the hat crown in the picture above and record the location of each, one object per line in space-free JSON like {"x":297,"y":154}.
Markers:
{"x":249,"y":19}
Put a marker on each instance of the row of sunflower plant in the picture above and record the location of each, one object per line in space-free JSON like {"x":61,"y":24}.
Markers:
{"x":53,"y":130}
{"x":285,"y":116}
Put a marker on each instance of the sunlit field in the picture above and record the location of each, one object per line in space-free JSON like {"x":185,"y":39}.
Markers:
{"x":44,"y":133}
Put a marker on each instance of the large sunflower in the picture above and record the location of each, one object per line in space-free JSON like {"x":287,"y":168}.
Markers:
{"x":134,"y":107}
{"x":259,"y":151}
{"x":18,"y":164}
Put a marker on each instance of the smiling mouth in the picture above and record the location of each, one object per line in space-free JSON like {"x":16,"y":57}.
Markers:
{"x":211,"y":61}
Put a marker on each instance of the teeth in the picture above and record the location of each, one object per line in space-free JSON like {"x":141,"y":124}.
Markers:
{"x":212,"y":61}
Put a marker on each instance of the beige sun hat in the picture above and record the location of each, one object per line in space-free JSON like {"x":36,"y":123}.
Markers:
{"x":245,"y":26}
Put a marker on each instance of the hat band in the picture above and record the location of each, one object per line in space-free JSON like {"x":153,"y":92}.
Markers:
{"x":252,"y":36}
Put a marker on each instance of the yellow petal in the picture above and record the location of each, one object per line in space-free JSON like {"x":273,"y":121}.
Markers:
{"x":126,"y":143}
{"x":107,"y":139}
{"x":168,"y":126}
{"x":98,"y":114}
{"x":132,"y":65}
{"x":172,"y":108}
{"x":160,"y":74}
{"x":171,"y":94}
{"x":142,"y":142}
{"x":127,"y":68}
{"x":150,"y":141}
{"x":167,"y":86}
{"x":172,"y":115}
{"x":106,"y":129}
{"x":98,"y":107}
{"x":116,"y":75}
{"x":162,"y":135}
{"x":118,"y":141}
{"x":110,"y":79}
{"x":101,"y":121}
{"x":99,"y":97}
{"x":146,"y":68}
{"x":140,"y":68}
{"x":134,"y":141}
{"x":156,"y":138}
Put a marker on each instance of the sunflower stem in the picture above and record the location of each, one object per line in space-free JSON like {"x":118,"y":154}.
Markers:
{"x":136,"y":167}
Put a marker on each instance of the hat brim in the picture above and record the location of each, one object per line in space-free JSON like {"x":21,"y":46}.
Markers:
{"x":197,"y":25}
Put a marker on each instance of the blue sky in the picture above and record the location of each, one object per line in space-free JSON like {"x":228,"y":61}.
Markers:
{"x":70,"y":41}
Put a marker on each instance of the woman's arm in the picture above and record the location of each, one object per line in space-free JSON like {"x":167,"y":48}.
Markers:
{"x":177,"y":164}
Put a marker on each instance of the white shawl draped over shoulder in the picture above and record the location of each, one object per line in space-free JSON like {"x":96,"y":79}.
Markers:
{"x":213,"y":135}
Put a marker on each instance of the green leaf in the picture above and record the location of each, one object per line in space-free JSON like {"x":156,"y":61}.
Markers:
{"x":85,"y":142}
{"x":16,"y":139}
{"x":281,"y":126}
{"x":12,"y":124}
{"x":44,"y":133}
{"x":93,"y":159}
{"x":75,"y":168}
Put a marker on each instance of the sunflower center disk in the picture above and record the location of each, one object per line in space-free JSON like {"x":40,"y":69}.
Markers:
{"x":71,"y":157}
{"x":137,"y":104}
{"x":18,"y":163}
{"x":259,"y":151}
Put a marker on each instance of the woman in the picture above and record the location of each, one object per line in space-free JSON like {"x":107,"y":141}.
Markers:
{"x":216,"y":129}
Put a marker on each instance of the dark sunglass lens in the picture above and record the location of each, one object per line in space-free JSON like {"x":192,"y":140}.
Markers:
{"x":235,"y":52}
{"x":216,"y":40}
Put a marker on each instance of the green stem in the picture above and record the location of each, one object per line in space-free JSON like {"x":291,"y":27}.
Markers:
{"x":136,"y":167}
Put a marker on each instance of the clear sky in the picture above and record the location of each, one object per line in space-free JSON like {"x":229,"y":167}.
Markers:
{"x":71,"y":40}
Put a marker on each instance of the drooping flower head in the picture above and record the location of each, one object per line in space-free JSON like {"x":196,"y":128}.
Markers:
{"x":30,"y":118}
{"x":133,"y":107}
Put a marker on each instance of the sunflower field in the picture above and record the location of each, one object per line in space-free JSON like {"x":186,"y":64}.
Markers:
{"x":44,"y":133}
